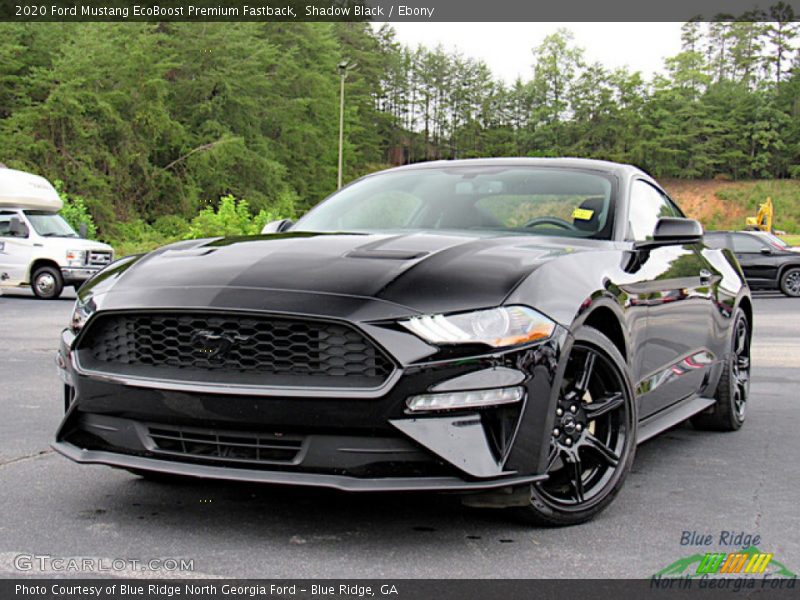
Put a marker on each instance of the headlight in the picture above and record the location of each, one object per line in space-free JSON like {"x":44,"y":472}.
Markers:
{"x":76,"y":258}
{"x":81,"y":313}
{"x":496,"y":327}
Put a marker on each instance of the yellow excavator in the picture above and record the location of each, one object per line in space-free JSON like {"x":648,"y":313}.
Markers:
{"x":763,"y":219}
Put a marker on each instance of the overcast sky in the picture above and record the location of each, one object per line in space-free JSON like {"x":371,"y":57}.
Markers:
{"x":506,"y":47}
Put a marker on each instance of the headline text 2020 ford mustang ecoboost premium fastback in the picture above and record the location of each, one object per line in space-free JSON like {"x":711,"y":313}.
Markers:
{"x":505,"y":328}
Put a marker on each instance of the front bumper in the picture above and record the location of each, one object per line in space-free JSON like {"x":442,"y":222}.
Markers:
{"x":77,"y":275}
{"x":339,"y":482}
{"x":347,"y":443}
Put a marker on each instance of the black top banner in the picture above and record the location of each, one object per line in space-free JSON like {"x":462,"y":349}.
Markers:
{"x":398,"y":10}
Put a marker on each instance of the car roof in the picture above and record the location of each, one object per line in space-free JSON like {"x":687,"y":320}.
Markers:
{"x":574,"y":163}
{"x":724,"y":231}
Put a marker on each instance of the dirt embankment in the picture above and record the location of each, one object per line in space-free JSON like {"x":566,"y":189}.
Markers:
{"x":699,"y":200}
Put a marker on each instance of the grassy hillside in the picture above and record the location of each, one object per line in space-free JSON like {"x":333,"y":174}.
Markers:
{"x":792,"y":240}
{"x":726,"y":204}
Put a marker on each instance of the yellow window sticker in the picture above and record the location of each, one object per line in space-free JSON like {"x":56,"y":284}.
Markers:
{"x":582,"y":214}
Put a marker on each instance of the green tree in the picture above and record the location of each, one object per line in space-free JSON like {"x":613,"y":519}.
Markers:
{"x":782,"y":31}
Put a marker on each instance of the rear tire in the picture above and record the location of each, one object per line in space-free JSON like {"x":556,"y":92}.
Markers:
{"x":593,"y":441}
{"x":790,"y":282}
{"x":733,"y":390}
{"x":47,"y":283}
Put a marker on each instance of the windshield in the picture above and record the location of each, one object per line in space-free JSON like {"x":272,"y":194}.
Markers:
{"x":49,"y":224}
{"x":776,"y":241}
{"x":501,"y":199}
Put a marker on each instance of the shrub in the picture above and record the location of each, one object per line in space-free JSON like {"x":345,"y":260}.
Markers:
{"x":137,"y":236}
{"x":232,"y":218}
{"x":229,"y":218}
{"x":171,"y":226}
{"x":75,"y":211}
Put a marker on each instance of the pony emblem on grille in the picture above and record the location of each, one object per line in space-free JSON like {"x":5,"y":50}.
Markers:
{"x":215,"y":345}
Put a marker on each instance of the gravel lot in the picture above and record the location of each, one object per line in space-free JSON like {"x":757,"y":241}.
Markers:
{"x":682,"y":481}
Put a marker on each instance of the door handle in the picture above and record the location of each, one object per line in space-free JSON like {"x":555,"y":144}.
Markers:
{"x":705,"y":276}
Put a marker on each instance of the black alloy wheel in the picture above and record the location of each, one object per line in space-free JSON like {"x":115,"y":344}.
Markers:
{"x":740,"y":365}
{"x":733,"y":391}
{"x":593,"y":439}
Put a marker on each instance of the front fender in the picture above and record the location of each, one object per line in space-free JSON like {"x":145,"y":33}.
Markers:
{"x":564,"y":288}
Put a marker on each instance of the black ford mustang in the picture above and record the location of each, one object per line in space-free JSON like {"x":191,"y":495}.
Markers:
{"x":505,"y":328}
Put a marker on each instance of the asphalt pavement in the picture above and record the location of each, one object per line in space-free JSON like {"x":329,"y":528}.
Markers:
{"x":683,"y":481}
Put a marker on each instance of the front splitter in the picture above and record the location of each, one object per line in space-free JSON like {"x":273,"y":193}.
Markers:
{"x":339,"y":482}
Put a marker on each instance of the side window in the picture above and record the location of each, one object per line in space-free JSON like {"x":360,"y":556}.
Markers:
{"x":675,"y":208}
{"x":5,"y":223}
{"x":647,"y":205}
{"x":717,"y":241}
{"x":746,"y":244}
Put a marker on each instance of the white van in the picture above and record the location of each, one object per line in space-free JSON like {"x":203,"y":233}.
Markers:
{"x":37,"y":246}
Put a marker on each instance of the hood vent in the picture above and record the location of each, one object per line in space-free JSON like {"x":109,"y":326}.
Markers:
{"x":387,"y":254}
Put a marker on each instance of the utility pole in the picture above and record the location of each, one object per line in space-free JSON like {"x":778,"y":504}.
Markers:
{"x":342,"y":77}
{"x":344,"y":67}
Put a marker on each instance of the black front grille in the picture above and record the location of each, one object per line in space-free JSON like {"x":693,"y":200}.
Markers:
{"x":225,"y":446}
{"x":233,"y":349}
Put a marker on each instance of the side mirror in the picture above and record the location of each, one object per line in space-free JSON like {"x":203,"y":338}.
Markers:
{"x":16,"y":228}
{"x":83,"y":230}
{"x":277,"y":226}
{"x":766,"y":251}
{"x":673,"y":231}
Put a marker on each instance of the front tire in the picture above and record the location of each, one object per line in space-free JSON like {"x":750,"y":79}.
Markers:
{"x":593,"y":441}
{"x":733,"y":390}
{"x":790,"y":282}
{"x":47,"y":283}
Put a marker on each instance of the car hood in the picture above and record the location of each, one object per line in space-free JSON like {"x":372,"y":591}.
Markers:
{"x":423,"y":272}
